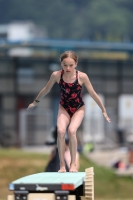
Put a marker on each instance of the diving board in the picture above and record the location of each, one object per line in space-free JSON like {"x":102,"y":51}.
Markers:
{"x":54,"y":185}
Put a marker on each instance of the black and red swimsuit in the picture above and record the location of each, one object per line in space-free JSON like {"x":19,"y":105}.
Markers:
{"x":71,"y":98}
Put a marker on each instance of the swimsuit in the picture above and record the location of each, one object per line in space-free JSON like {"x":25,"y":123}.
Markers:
{"x":71,"y":98}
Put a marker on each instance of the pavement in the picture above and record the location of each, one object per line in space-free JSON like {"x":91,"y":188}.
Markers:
{"x":107,"y":158}
{"x":44,"y":149}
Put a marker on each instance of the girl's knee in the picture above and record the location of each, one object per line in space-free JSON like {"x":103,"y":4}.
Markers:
{"x":61,"y":132}
{"x":71,"y":132}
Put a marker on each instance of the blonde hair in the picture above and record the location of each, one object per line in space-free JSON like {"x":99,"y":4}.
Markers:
{"x":69,"y":54}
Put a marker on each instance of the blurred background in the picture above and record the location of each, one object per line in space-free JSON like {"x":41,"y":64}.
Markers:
{"x":32,"y":36}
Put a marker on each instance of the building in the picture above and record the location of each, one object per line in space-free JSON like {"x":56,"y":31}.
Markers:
{"x":26,"y":65}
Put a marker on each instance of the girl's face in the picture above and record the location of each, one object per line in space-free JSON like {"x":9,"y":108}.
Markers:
{"x":68,"y":65}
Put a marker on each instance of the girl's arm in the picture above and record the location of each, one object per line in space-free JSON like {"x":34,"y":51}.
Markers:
{"x":45,"y":90}
{"x":89,"y":87}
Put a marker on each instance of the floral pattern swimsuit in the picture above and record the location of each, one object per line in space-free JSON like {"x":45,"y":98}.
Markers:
{"x":71,"y":98}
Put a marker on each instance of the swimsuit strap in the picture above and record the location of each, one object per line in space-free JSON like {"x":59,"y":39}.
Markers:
{"x":62,"y":72}
{"x":76,"y":75}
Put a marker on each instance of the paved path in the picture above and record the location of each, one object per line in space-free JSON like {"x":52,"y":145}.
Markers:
{"x":106,"y":158}
{"x":38,"y":149}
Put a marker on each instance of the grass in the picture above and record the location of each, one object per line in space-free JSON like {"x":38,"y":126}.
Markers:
{"x":15,"y":163}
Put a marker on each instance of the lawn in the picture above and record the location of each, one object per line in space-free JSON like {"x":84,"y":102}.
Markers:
{"x":15,"y":163}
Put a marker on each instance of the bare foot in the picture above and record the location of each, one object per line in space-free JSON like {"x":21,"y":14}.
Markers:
{"x":62,"y":169}
{"x":73,"y":168}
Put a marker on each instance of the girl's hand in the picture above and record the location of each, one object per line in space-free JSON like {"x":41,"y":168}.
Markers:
{"x":31,"y":106}
{"x":106,"y":116}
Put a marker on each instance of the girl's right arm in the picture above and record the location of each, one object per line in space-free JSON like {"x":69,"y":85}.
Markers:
{"x":44,"y":91}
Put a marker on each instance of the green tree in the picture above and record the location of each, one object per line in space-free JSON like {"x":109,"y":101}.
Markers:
{"x":74,"y":19}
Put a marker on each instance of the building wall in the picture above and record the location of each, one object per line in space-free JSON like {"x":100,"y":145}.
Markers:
{"x":22,"y":78}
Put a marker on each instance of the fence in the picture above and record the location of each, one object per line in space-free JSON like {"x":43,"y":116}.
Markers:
{"x":34,"y":126}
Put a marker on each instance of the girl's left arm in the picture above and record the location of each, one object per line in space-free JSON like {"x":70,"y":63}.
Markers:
{"x":94,"y":95}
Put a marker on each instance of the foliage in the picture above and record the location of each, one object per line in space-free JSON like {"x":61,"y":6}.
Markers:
{"x":74,"y":19}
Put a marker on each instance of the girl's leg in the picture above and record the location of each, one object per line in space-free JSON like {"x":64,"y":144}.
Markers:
{"x":63,"y":120}
{"x":74,"y":125}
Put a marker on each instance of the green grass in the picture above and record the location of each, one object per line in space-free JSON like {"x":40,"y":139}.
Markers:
{"x":15,"y":163}
{"x":108,"y":185}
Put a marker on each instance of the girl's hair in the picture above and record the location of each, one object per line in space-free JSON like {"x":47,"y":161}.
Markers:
{"x":70,"y":54}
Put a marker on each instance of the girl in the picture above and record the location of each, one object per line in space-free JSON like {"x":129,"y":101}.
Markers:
{"x":71,"y":108}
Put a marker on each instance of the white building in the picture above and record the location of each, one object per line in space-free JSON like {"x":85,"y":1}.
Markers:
{"x":21,"y":30}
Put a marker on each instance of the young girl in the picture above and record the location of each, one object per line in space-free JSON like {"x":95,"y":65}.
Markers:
{"x":71,"y":108}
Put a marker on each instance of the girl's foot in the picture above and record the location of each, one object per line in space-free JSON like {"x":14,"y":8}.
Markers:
{"x":73,"y":168}
{"x":62,"y":169}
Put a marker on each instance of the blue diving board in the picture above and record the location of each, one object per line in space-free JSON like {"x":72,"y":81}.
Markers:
{"x":49,"y":181}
